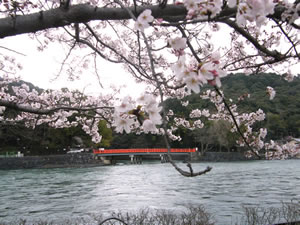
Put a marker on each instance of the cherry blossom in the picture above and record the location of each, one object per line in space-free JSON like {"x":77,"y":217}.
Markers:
{"x":192,"y":83}
{"x":143,"y":20}
{"x":125,"y":106}
{"x":141,"y":26}
{"x":177,"y":43}
{"x":146,"y":17}
{"x":149,"y":126}
{"x":123,"y":124}
{"x":154,"y":115}
{"x":147,"y":114}
{"x":288,"y":76}
{"x":202,"y":8}
{"x":232,"y":3}
{"x":271,"y":92}
{"x":252,"y":10}
{"x":175,"y":58}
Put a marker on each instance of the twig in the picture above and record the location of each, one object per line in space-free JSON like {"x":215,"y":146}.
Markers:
{"x":236,"y":124}
{"x":112,"y":218}
{"x":154,"y":74}
{"x":11,"y":50}
{"x":276,"y":55}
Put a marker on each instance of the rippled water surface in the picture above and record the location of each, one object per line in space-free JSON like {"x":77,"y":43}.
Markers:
{"x":60,"y":194}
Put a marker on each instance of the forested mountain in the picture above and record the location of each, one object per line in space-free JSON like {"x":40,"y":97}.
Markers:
{"x":283,"y":119}
{"x":44,"y":139}
{"x":282,"y":113}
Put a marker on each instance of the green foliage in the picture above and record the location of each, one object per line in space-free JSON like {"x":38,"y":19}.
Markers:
{"x":106,"y":133}
{"x":282,"y":113}
{"x":136,"y":141}
{"x":282,"y":119}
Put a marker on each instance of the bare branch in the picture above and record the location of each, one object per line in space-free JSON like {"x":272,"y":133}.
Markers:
{"x":189,"y":44}
{"x":253,"y":40}
{"x":14,"y":51}
{"x":112,"y":218}
{"x":81,"y":13}
{"x":236,"y":124}
{"x":288,"y":37}
{"x":29,"y":109}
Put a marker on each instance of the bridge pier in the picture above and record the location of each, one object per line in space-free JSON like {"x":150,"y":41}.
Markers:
{"x":135,"y":159}
{"x":106,"y":160}
{"x":164,"y":158}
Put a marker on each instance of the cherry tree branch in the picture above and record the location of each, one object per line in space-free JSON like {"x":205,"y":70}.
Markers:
{"x":189,"y":43}
{"x":112,"y":218}
{"x":118,"y":53}
{"x":14,"y":51}
{"x":276,"y":55}
{"x":29,"y":109}
{"x":81,"y":13}
{"x":236,"y":124}
{"x":289,"y":38}
{"x":158,"y":86}
{"x":64,"y":61}
{"x":223,"y":99}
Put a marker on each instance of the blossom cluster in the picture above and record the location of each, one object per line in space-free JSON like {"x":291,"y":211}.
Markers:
{"x":143,"y":21}
{"x":192,"y":70}
{"x":247,"y":10}
{"x":194,"y":76}
{"x":56,"y":108}
{"x":275,"y":150}
{"x":202,"y":9}
{"x":146,"y":115}
{"x":252,"y":10}
{"x":245,"y":122}
{"x":271,"y":92}
{"x":196,"y":113}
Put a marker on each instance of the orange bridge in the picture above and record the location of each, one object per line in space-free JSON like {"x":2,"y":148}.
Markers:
{"x":136,"y":154}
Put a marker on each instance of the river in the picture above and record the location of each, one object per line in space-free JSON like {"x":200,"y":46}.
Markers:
{"x":71,"y":193}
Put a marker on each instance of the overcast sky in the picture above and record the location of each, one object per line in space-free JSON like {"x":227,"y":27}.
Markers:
{"x":40,"y":68}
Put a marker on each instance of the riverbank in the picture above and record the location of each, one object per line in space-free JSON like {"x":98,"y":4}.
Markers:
{"x":50,"y":161}
{"x":89,"y":160}
{"x":219,"y":157}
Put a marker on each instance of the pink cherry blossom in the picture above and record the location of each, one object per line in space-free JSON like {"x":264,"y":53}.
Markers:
{"x":125,"y":106}
{"x":145,"y":16}
{"x":122,"y":124}
{"x":192,"y":83}
{"x":177,"y":43}
{"x":271,"y":92}
{"x":143,"y":20}
{"x":149,"y":126}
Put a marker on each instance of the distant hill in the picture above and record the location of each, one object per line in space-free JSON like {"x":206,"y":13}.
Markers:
{"x":19,"y":83}
{"x":40,"y":140}
{"x":283,"y":112}
{"x":283,"y":117}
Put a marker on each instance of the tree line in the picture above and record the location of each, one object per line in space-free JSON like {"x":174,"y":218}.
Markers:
{"x":248,"y":92}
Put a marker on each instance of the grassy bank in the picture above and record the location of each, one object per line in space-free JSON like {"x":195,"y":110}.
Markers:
{"x":287,"y":214}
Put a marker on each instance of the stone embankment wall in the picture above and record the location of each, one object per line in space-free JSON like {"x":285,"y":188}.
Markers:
{"x":50,"y":161}
{"x":88,"y":159}
{"x":219,"y":156}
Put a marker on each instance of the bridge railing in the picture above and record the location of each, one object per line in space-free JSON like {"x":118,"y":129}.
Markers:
{"x":143,"y":150}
